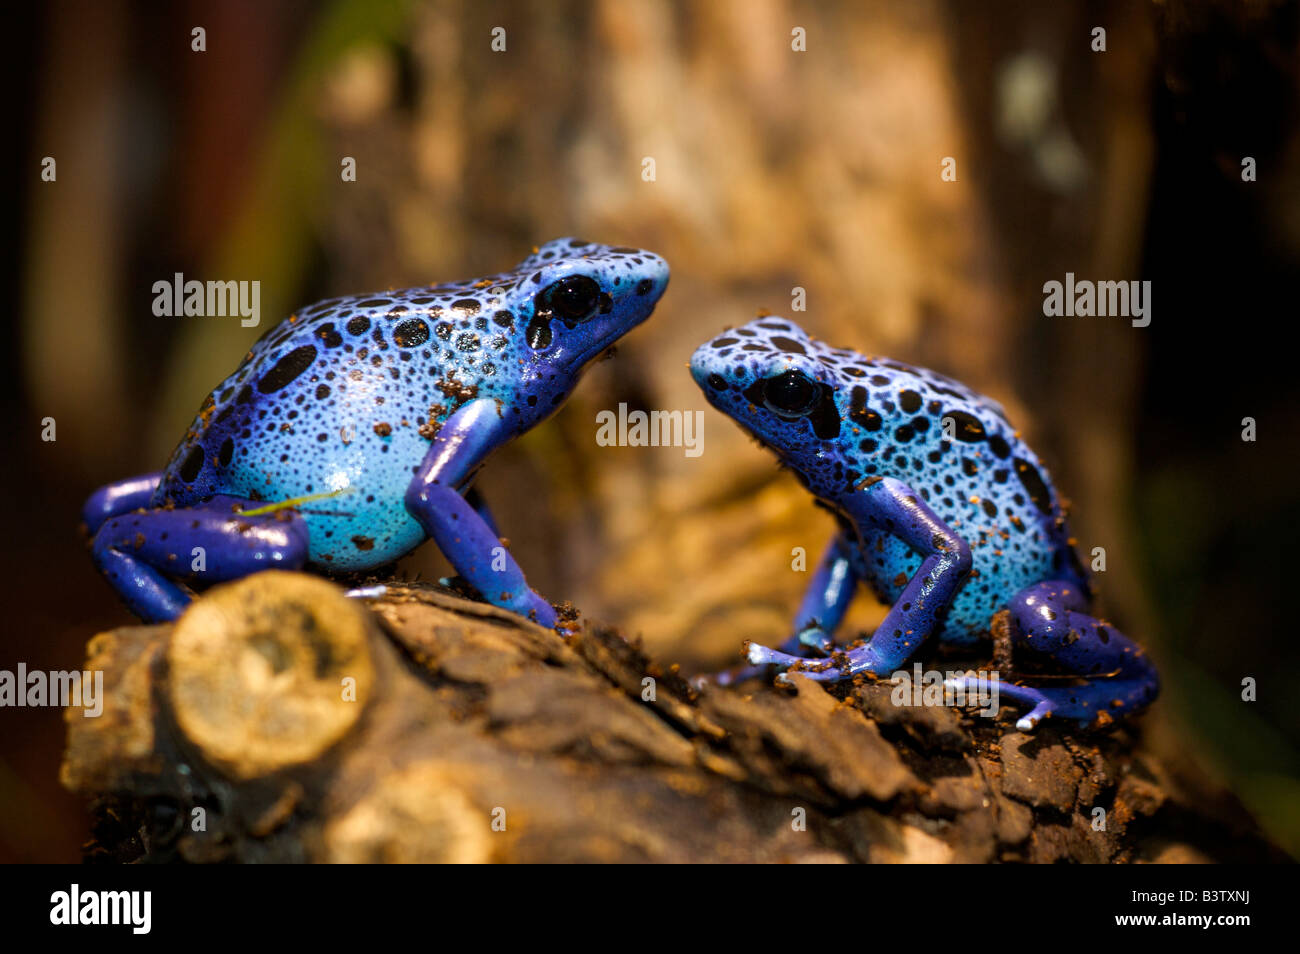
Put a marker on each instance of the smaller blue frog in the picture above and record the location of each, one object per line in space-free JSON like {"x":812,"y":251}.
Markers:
{"x":943,"y":511}
{"x":353,"y":431}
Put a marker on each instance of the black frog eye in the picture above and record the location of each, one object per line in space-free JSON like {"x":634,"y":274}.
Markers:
{"x":790,"y":394}
{"x":574,"y":298}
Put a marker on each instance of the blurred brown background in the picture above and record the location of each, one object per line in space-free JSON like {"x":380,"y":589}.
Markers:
{"x":775,"y":169}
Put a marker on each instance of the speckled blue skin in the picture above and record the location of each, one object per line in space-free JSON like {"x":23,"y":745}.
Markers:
{"x":380,"y":408}
{"x":945,"y":531}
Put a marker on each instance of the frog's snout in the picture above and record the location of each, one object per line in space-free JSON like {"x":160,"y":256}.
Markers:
{"x":699,"y":369}
{"x":654,"y":278}
{"x":708,"y":369}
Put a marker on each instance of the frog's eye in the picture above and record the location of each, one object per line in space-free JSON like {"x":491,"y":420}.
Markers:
{"x":573,"y":299}
{"x":791,"y":394}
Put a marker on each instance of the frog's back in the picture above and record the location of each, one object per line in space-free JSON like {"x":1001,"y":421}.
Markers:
{"x":344,"y":399}
{"x":984,"y":482}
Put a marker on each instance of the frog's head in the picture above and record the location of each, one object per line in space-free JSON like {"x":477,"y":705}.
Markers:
{"x":573,"y":299}
{"x":780,"y":385}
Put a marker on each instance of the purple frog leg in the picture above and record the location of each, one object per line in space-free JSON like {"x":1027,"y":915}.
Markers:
{"x":465,"y":537}
{"x":140,"y":552}
{"x":1050,"y":619}
{"x":891,"y":506}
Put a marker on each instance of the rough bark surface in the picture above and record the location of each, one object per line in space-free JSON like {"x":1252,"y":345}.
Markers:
{"x":279,"y":721}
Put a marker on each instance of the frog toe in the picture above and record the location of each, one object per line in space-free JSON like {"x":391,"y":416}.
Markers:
{"x":818,"y":670}
{"x":1029,"y":721}
{"x":760,"y":655}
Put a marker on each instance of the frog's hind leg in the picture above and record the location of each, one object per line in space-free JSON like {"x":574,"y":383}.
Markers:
{"x":1117,"y":677}
{"x":141,"y":552}
{"x":119,"y":497}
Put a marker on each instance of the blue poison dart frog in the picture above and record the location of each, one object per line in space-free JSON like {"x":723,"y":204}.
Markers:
{"x":943,"y":511}
{"x":353,"y":431}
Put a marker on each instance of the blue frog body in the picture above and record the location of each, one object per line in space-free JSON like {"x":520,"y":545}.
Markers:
{"x":944,"y":511}
{"x":341,"y":440}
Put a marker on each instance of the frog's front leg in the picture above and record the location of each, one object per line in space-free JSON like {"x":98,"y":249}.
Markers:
{"x":825,"y":602}
{"x":889,"y":505}
{"x":1051,"y":619}
{"x":475,"y":499}
{"x":140,"y":552}
{"x":464,"y":536}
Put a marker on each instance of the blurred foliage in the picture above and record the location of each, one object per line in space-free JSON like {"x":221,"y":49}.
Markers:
{"x":274,"y":232}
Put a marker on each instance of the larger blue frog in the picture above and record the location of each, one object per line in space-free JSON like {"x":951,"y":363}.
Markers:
{"x":353,"y":431}
{"x":943,"y":510}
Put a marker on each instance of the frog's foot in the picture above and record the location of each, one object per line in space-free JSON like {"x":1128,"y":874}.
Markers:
{"x":1082,"y":704}
{"x":976,"y":689}
{"x":841,"y":665}
{"x":819,"y":670}
{"x":143,"y":553}
{"x":824,"y":603}
{"x":810,"y":637}
{"x":1115,"y":676}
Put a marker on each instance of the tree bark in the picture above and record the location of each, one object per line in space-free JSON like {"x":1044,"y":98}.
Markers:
{"x":280,"y":721}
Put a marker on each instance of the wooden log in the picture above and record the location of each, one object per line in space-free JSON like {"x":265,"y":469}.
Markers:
{"x":268,"y":674}
{"x":278,"y":720}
